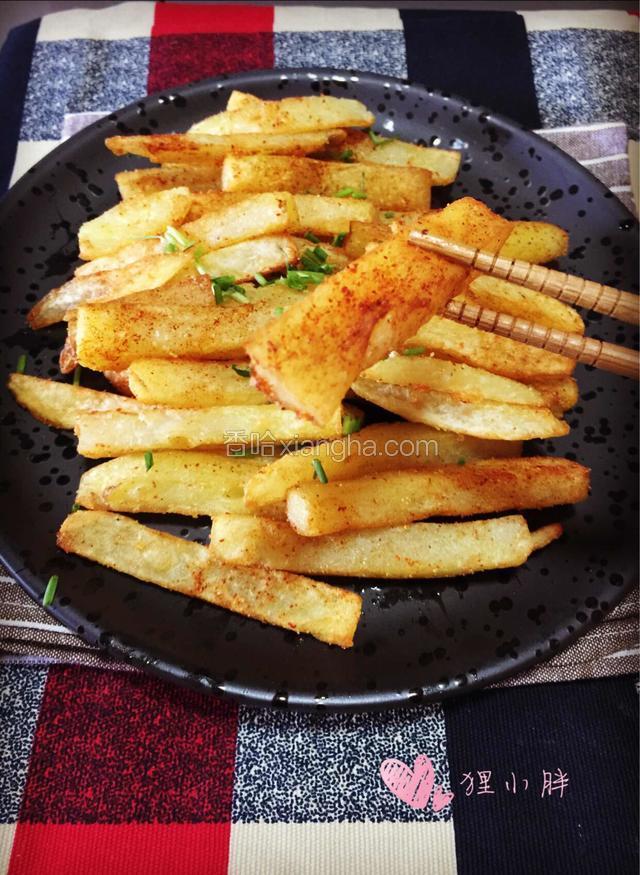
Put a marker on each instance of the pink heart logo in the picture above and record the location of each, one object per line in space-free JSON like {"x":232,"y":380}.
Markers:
{"x":414,"y":786}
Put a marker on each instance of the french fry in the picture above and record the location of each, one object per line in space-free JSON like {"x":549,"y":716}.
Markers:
{"x":443,"y":164}
{"x":276,"y":597}
{"x":362,"y":235}
{"x":309,"y":357}
{"x":558,"y":395}
{"x":207,"y":149}
{"x":536,"y":242}
{"x":117,"y":432}
{"x":204,"y":202}
{"x":254,"y":216}
{"x":132,"y":219}
{"x":506,"y":297}
{"x":128,"y":254}
{"x":195,"y":177}
{"x":389,"y":187}
{"x":384,"y":447}
{"x":326,"y":216}
{"x":60,"y":404}
{"x":290,"y":115}
{"x":148,"y":273}
{"x":244,"y":260}
{"x":481,"y":349}
{"x":482,"y":418}
{"x":111,"y":336}
{"x":184,"y":383}
{"x":397,"y":497}
{"x":186,"y":291}
{"x":192,"y":483}
{"x":419,"y":550}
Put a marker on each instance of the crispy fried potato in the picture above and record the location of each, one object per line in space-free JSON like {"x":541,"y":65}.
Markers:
{"x":244,"y":260}
{"x":184,"y":383}
{"x":207,"y":149}
{"x":327,"y":216}
{"x":481,"y":349}
{"x":425,"y":372}
{"x":443,"y":164}
{"x":254,"y":216}
{"x":309,"y":357}
{"x":148,"y":273}
{"x":391,"y":188}
{"x":132,"y":252}
{"x":506,"y":297}
{"x":397,"y":497}
{"x":131,"y":220}
{"x":385,"y":447}
{"x":185,"y":291}
{"x":420,"y":550}
{"x":204,"y":202}
{"x":276,"y":597}
{"x":559,"y":395}
{"x":192,"y":483}
{"x":362,"y":235}
{"x":111,"y":336}
{"x":536,"y":242}
{"x":287,"y":116}
{"x":60,"y":404}
{"x":114,"y":433}
{"x":495,"y":420}
{"x":150,"y":179}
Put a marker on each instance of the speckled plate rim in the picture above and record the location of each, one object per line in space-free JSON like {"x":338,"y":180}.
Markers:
{"x":144,"y":659}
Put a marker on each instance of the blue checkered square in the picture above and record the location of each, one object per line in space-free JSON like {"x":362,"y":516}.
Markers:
{"x":376,"y":50}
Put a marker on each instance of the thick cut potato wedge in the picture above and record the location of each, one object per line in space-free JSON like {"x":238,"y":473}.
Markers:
{"x":132,"y":252}
{"x":150,"y":179}
{"x":287,"y":116}
{"x":481,"y":349}
{"x":420,"y":550}
{"x":276,"y":597}
{"x":114,"y":433}
{"x":506,"y":297}
{"x":482,"y":418}
{"x":255,"y":216}
{"x":384,"y":447}
{"x":184,"y":383}
{"x":327,"y":216}
{"x":192,"y":483}
{"x":131,"y":220}
{"x":536,"y":242}
{"x":188,"y":291}
{"x":443,"y":164}
{"x":206,"y":149}
{"x":398,"y":497}
{"x":364,"y":234}
{"x":204,"y":202}
{"x":309,"y":357}
{"x":559,"y":395}
{"x":424,"y":372}
{"x":244,"y":260}
{"x":111,"y":336}
{"x":60,"y":404}
{"x":390,"y":188}
{"x":149,"y":273}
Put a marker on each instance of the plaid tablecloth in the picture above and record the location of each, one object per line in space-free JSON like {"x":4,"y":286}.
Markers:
{"x":106,"y":770}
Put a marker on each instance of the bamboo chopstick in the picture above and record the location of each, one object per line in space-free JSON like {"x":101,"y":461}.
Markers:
{"x":587,"y":350}
{"x":624,"y":306}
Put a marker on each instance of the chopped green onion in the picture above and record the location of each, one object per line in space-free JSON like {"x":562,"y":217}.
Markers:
{"x":351,"y":192}
{"x":346,"y":156}
{"x":198,"y":252}
{"x":76,"y":375}
{"x":148,"y":460}
{"x":169,"y":248}
{"x":298,"y":280}
{"x":318,"y":471}
{"x":414,"y":350}
{"x":278,"y":311}
{"x":339,"y":239}
{"x":389,"y":214}
{"x":315,"y":260}
{"x":351,"y":424}
{"x":261,"y":280}
{"x":241,"y":372}
{"x":22,"y":364}
{"x":226,"y":287}
{"x":378,"y":141}
{"x":462,"y":461}
{"x":175,"y":240}
{"x":50,"y":591}
{"x":311,"y":237}
{"x":238,"y":295}
{"x":75,"y":506}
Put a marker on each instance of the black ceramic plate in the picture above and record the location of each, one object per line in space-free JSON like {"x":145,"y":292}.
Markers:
{"x":416,"y":641}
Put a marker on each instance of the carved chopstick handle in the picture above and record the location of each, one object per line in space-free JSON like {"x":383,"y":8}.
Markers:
{"x":624,"y":306}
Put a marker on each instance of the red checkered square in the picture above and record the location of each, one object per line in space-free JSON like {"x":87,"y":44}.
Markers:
{"x":114,"y":747}
{"x":171,"y":18}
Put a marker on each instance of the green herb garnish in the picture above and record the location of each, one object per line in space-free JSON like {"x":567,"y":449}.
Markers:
{"x":175,"y":241}
{"x":241,"y":372}
{"x":389,"y":214}
{"x":148,"y":460}
{"x":198,"y":252}
{"x":298,"y":280}
{"x":261,"y":280}
{"x":339,"y":239}
{"x":346,"y":156}
{"x":75,"y":506}
{"x":226,"y":287}
{"x":22,"y":364}
{"x":351,"y":424}
{"x":377,"y":140}
{"x":315,"y":260}
{"x":50,"y":591}
{"x":278,"y":311}
{"x":318,"y":471}
{"x":76,"y":375}
{"x":351,"y":192}
{"x":414,"y":350}
{"x":311,"y":237}
{"x":461,"y":461}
